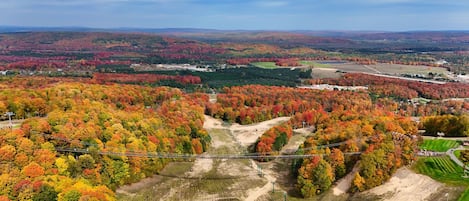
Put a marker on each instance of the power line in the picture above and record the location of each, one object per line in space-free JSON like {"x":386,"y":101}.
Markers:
{"x":194,"y":156}
{"x":257,"y":155}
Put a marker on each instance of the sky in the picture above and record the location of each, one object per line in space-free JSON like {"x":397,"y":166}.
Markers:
{"x":372,"y":15}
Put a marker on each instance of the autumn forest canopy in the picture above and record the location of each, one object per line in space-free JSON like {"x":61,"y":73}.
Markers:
{"x":93,"y":107}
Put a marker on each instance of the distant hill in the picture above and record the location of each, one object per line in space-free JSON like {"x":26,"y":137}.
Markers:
{"x":295,"y":36}
{"x":282,"y":39}
{"x":422,"y":36}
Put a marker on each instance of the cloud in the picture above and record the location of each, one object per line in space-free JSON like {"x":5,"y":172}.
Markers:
{"x":23,"y":3}
{"x":422,"y":2}
{"x":268,"y":3}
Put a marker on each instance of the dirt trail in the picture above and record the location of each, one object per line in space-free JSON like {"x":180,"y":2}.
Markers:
{"x":344,"y":184}
{"x":258,"y":192}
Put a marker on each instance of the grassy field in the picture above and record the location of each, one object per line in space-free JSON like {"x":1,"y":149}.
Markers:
{"x":268,"y":65}
{"x":314,"y":64}
{"x":457,"y":153}
{"x":440,"y":145}
{"x":442,"y":169}
{"x":465,"y":195}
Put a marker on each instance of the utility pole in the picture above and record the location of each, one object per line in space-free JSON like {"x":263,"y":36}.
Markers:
{"x":273,"y":187}
{"x":9,"y":114}
{"x":259,"y":170}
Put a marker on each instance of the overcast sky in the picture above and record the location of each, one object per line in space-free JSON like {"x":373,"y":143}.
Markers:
{"x":388,"y":15}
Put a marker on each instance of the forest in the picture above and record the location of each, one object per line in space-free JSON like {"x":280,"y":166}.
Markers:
{"x":115,"y":118}
{"x":74,"y":113}
{"x":89,"y":123}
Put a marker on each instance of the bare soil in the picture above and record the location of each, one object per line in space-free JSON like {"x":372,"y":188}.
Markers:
{"x":248,"y":134}
{"x":343,"y":185}
{"x":404,"y":185}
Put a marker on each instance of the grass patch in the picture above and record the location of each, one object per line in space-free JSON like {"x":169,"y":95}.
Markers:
{"x":465,"y":195}
{"x":457,"y":153}
{"x":176,"y":169}
{"x":314,"y":64}
{"x":442,"y":169}
{"x":268,"y":65}
{"x":440,"y":145}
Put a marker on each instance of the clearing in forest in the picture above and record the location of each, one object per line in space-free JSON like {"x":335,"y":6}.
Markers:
{"x":210,"y":179}
{"x":268,"y":65}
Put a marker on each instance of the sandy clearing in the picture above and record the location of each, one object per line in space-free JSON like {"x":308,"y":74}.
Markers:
{"x":407,"y":185}
{"x":212,"y":123}
{"x":244,"y":134}
{"x":298,"y":138}
{"x":248,"y":134}
{"x":200,"y":167}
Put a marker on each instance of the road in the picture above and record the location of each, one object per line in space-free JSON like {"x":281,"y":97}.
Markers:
{"x":446,"y":138}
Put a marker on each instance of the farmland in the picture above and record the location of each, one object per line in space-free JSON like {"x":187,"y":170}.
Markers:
{"x":442,"y":169}
{"x":397,"y":69}
{"x":439,"y":145}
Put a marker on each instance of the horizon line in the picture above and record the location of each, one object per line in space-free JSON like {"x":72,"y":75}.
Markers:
{"x":215,"y":29}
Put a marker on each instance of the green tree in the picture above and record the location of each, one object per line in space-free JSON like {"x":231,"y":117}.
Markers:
{"x":322,"y":176}
{"x":72,"y":195}
{"x":280,"y":141}
{"x":47,"y":193}
{"x":86,"y":161}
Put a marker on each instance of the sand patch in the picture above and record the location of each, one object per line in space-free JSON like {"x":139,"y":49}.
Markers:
{"x":248,"y":134}
{"x":407,"y":185}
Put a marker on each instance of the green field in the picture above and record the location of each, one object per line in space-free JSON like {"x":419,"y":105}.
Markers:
{"x":314,"y":64}
{"x":464,"y":196}
{"x":268,"y":65}
{"x":442,"y":169}
{"x":457,"y":153}
{"x":440,"y":145}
